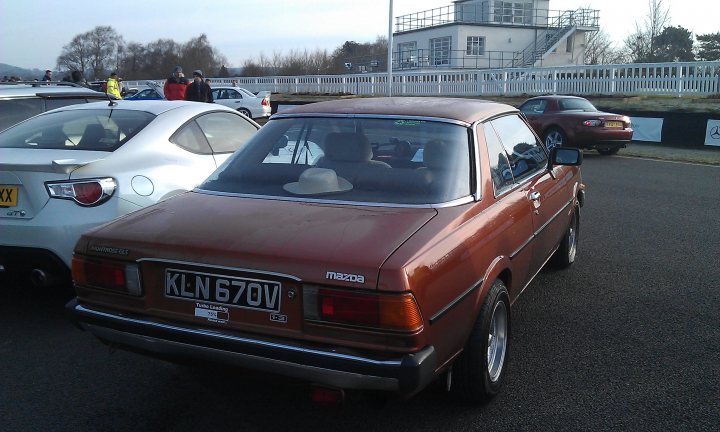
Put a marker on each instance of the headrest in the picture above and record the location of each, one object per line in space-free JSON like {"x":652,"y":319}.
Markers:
{"x":439,"y":155}
{"x":347,"y":147}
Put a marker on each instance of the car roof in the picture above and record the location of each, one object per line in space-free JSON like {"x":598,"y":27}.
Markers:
{"x":464,"y":110}
{"x":155,"y":107}
{"x":9,"y":91}
{"x":557,"y":97}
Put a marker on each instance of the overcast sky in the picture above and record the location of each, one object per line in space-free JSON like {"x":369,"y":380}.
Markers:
{"x":33,"y":33}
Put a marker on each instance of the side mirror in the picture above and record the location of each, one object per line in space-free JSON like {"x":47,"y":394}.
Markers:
{"x":565,"y":156}
{"x":281,"y":143}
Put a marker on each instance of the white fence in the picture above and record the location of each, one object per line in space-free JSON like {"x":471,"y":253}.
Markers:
{"x":676,"y":79}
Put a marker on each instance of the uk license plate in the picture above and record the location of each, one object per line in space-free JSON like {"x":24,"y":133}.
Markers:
{"x":8,"y":196}
{"x":614,"y":124}
{"x":256,"y":294}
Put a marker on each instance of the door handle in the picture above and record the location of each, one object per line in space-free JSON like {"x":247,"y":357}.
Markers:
{"x":535,"y":196}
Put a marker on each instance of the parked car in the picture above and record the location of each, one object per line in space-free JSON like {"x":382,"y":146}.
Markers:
{"x":310,"y":254}
{"x":242,"y":100}
{"x":574,"y":121}
{"x":20,"y":101}
{"x":77,"y":167}
{"x":145,"y":94}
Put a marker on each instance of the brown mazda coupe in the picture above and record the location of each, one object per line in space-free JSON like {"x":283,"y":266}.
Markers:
{"x":575,"y":122}
{"x":370,"y":244}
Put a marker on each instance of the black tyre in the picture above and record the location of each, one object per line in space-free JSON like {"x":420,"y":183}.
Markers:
{"x":565,"y":255}
{"x":478,"y":373}
{"x":609,"y":152}
{"x":245,"y":112}
{"x":555,"y":137}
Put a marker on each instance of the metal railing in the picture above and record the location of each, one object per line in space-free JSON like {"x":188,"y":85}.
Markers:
{"x":676,"y":79}
{"x":486,"y":13}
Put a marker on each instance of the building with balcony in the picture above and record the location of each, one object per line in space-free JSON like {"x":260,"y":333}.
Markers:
{"x":485,"y":34}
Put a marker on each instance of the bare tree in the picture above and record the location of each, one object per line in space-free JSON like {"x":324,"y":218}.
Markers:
{"x":75,"y":55}
{"x":599,"y":49}
{"x":641,"y":45}
{"x":197,"y":53}
{"x":95,"y":50}
{"x":133,"y":61}
{"x":162,"y":56}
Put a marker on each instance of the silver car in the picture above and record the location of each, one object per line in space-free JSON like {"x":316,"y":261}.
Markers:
{"x":74,"y":168}
{"x":244,"y":101}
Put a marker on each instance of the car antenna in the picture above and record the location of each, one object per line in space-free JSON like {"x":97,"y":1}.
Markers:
{"x":112,"y":103}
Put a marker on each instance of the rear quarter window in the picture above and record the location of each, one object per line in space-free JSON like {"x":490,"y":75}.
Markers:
{"x":14,"y":111}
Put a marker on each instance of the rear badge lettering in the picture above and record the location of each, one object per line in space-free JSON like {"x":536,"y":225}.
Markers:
{"x":345,"y":277}
{"x":110,"y":250}
{"x":213,"y":313}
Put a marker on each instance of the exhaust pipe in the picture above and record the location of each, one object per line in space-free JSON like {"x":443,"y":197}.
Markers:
{"x":41,"y":279}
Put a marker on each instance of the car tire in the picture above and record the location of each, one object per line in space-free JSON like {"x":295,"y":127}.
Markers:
{"x":609,"y":152}
{"x":477,"y":375}
{"x":245,"y":112}
{"x":565,"y":255}
{"x":555,"y":137}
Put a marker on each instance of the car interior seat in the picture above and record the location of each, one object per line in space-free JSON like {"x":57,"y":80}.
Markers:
{"x":92,"y":136}
{"x":443,"y":161}
{"x":348,"y":153}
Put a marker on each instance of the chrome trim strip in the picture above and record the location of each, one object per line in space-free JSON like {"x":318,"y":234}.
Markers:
{"x":371,"y":116}
{"x":312,"y":373}
{"x":523,"y":246}
{"x":217,"y":335}
{"x":536,"y":233}
{"x":454,"y":203}
{"x":168,"y":261}
{"x":552,"y":218}
{"x":453,"y":303}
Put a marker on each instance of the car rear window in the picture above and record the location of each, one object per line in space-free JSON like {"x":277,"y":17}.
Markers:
{"x":97,"y":130}
{"x":16,"y":110}
{"x":575,"y":104}
{"x":393,"y":161}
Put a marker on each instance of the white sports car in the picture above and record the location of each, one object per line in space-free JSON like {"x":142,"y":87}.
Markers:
{"x":74,"y":168}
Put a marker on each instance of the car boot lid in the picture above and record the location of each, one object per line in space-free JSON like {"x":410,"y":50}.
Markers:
{"x":52,"y":161}
{"x":342,"y":245}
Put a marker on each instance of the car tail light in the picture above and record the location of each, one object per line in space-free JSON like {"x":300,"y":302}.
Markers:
{"x":87,"y":192}
{"x":109,"y":275}
{"x":592,"y":123}
{"x":265,"y":102}
{"x":394,"y":312}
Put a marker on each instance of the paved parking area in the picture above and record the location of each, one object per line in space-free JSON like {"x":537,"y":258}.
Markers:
{"x":627,"y":339}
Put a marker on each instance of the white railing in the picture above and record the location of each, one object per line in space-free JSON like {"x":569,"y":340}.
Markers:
{"x":676,"y":79}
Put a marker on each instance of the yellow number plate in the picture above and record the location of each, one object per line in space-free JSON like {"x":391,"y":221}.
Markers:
{"x":8,"y":196}
{"x":614,"y":124}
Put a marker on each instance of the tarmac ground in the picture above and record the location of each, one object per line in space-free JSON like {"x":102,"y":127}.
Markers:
{"x":708,"y":156}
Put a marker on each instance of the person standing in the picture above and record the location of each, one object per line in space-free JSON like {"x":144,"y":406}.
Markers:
{"x":47,"y":76}
{"x":199,"y":90}
{"x":113,"y":86}
{"x":176,"y":85}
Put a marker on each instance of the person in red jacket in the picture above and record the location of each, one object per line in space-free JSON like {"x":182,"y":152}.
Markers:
{"x":176,"y":85}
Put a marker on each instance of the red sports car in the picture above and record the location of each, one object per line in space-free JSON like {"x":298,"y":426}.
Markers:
{"x":362,"y":244}
{"x":575,"y":122}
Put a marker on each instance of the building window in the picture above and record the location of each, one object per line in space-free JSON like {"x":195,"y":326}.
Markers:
{"x":440,"y":51}
{"x":569,"y":45}
{"x":506,"y":12}
{"x":475,"y":46}
{"x":407,"y":53}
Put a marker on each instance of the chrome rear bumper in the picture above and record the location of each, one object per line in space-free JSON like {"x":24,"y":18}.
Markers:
{"x":407,"y":374}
